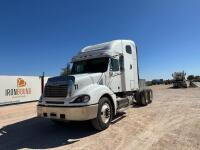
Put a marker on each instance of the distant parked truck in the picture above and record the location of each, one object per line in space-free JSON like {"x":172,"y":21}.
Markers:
{"x":157,"y":81}
{"x":179,"y":80}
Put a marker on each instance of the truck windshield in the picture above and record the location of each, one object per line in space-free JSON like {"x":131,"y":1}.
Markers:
{"x":90,"y":66}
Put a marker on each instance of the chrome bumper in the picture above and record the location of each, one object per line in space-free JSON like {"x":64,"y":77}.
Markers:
{"x":68,"y":113}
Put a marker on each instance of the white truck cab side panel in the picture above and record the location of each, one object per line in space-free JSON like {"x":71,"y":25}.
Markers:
{"x":130,"y":72}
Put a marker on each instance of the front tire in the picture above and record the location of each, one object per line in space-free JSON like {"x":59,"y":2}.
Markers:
{"x":104,"y":115}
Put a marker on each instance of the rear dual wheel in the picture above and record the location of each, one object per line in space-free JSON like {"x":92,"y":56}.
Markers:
{"x":150,"y":95}
{"x":144,"y":97}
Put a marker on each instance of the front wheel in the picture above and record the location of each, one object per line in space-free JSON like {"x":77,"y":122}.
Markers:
{"x":104,"y":115}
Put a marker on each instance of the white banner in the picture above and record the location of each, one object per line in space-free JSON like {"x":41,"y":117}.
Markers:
{"x":16,"y":89}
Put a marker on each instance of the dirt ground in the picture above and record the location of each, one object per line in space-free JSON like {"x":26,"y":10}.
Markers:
{"x":172,"y":121}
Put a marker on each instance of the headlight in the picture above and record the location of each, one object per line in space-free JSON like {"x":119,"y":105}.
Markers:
{"x":81,"y":99}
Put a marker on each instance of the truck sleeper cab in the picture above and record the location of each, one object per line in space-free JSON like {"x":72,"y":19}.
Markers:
{"x":104,"y":79}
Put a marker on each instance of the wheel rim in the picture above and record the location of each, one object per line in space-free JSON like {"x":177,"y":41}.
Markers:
{"x":105,"y":113}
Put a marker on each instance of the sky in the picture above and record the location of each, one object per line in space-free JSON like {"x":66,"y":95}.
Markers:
{"x":42,"y":35}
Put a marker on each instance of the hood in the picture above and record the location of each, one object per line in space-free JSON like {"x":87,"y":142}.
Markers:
{"x":60,"y":80}
{"x":90,"y":78}
{"x":66,"y":83}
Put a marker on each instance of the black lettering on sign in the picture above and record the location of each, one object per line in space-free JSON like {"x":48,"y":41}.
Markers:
{"x":14,"y":91}
{"x":11,"y":91}
{"x":7,"y":91}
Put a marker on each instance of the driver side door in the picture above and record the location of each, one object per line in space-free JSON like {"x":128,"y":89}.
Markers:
{"x":114,"y":75}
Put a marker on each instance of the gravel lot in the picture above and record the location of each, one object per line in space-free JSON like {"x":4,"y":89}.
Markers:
{"x":172,"y":121}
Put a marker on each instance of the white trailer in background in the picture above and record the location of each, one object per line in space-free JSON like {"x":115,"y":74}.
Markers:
{"x":104,"y":79}
{"x":17,"y":89}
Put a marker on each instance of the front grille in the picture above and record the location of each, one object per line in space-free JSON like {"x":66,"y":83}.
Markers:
{"x":55,"y":91}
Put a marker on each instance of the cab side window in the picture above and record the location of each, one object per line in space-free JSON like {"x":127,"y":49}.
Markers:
{"x":114,"y":65}
{"x":128,"y":49}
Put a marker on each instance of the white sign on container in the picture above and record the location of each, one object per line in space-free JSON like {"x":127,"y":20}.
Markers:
{"x":16,"y":89}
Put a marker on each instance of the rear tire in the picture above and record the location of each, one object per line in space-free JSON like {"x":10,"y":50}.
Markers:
{"x":144,"y":98}
{"x":150,"y":95}
{"x":104,"y":115}
{"x":141,"y":97}
{"x":137,"y":97}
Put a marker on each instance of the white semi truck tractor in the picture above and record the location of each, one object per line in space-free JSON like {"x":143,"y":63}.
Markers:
{"x":104,"y":79}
